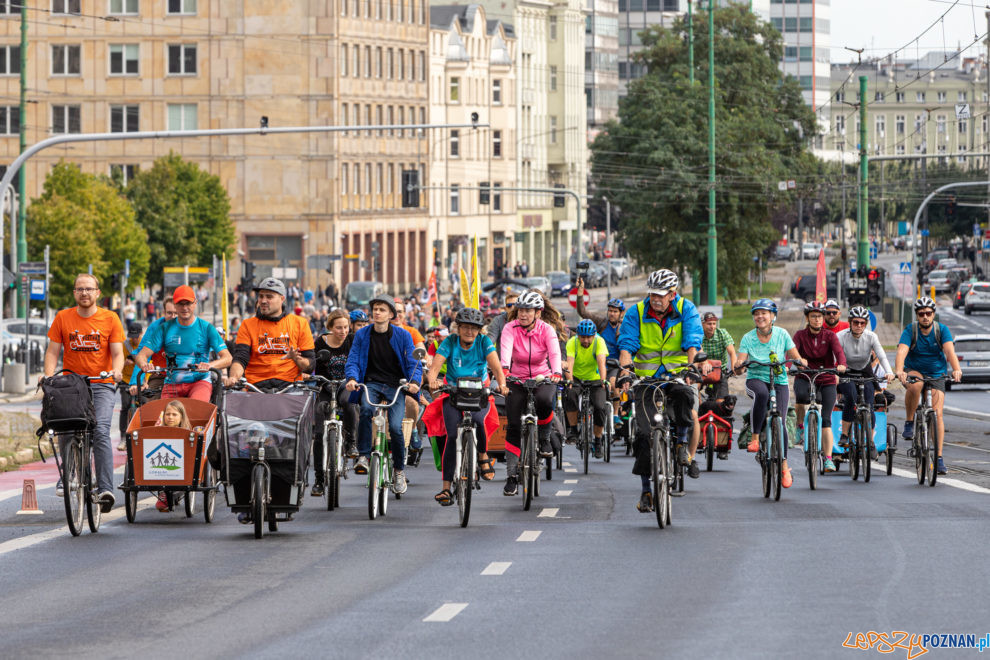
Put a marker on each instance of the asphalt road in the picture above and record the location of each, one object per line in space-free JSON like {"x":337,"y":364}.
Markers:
{"x":581,"y":575}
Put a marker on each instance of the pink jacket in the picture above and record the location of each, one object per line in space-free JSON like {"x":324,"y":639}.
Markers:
{"x":530,"y":354}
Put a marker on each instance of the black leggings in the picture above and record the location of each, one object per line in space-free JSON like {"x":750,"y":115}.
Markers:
{"x":802,"y":395}
{"x":759,"y":391}
{"x":598,"y":402}
{"x":452,"y":419}
{"x":349,"y":417}
{"x":515,"y":407}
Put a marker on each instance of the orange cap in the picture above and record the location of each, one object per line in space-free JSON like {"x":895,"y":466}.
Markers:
{"x":184,"y":294}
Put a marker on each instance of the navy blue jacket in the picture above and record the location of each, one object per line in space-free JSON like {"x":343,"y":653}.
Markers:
{"x":402,"y":344}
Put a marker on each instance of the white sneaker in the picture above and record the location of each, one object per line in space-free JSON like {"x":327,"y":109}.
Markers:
{"x":107,"y":501}
{"x":58,"y":489}
{"x":400,"y":485}
{"x":122,"y":445}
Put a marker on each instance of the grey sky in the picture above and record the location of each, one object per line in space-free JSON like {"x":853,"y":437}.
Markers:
{"x":883,"y":26}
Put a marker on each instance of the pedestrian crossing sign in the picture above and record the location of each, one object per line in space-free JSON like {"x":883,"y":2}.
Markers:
{"x":904,"y":268}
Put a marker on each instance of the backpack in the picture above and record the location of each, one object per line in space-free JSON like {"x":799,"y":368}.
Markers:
{"x":936,"y":328}
{"x":66,"y":404}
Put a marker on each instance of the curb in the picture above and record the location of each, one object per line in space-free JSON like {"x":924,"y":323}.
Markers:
{"x":959,"y":412}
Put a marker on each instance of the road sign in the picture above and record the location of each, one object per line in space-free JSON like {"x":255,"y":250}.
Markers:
{"x":781,"y":185}
{"x":572,"y":297}
{"x":32,"y":267}
{"x":352,"y":257}
{"x":873,"y":253}
{"x":284,"y":273}
{"x":336,"y":257}
{"x":608,"y":254}
{"x":923,"y":232}
{"x":986,"y":244}
{"x":904,"y":268}
{"x":962,"y":111}
{"x":37,"y":289}
{"x":873,"y":319}
{"x":791,"y":184}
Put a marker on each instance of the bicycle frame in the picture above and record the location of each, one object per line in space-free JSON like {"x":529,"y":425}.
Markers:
{"x":380,"y":440}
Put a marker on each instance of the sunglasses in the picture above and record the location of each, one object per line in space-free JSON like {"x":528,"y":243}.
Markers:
{"x":925,"y":314}
{"x":859,"y":322}
{"x":832,"y":313}
{"x":510,"y":305}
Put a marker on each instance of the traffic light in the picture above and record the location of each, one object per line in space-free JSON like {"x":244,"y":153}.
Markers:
{"x":875,"y":280}
{"x":952,"y":205}
{"x":559,"y":201}
{"x":484,"y":195}
{"x":410,"y":189}
{"x":114,"y":281}
{"x":376,"y":263}
{"x":247,"y":276}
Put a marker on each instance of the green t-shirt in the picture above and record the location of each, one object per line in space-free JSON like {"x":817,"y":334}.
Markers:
{"x":586,"y":359}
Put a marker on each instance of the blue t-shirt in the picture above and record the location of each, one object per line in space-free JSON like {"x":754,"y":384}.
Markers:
{"x":780,"y":342}
{"x":184,"y":346}
{"x":470,"y":363}
{"x":927,"y":358}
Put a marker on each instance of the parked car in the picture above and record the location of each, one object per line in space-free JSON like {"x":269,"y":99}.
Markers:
{"x":358,"y":293}
{"x":973,"y":352}
{"x":13,"y":331}
{"x":947,"y":263}
{"x":962,"y":272}
{"x":943,"y":281}
{"x":958,"y":300}
{"x":620,"y":267}
{"x":934,"y":256}
{"x":560,"y":283}
{"x":804,"y":286}
{"x":538,"y":282}
{"x":810,"y":250}
{"x":977,"y":298}
{"x":597,"y":273}
{"x":783,"y":253}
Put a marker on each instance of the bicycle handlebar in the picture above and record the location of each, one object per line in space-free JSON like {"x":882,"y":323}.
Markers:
{"x":403,"y":387}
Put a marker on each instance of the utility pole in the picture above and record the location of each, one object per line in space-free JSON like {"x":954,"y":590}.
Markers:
{"x":986,"y":134}
{"x":690,"y":17}
{"x":22,"y":207}
{"x":863,"y":247}
{"x":608,"y":246}
{"x":712,"y":235}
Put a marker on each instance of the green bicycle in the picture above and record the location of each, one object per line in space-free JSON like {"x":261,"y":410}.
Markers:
{"x":381,"y":472}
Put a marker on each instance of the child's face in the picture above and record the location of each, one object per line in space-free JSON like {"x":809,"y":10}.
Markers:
{"x":171,"y":417}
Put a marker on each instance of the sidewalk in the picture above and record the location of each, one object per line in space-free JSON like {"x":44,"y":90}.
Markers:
{"x":31,"y":392}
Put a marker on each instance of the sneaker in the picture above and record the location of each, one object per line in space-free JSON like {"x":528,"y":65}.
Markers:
{"x":722,"y":455}
{"x":599,"y":445}
{"x":58,"y":489}
{"x":571,"y":439}
{"x":843,"y":440}
{"x":317,"y":490}
{"x":829,"y":465}
{"x":940,"y":468}
{"x":546,"y":450}
{"x":351,"y":451}
{"x":693,"y":471}
{"x":362,"y":466}
{"x":122,"y":445}
{"x":399,"y":486}
{"x":645,"y":504}
{"x":786,"y":480}
{"x":908,"y":430}
{"x":682,"y":455}
{"x":244,"y":518}
{"x":511,"y":487}
{"x":107,"y":501}
{"x":162,"y":503}
{"x":753,"y":446}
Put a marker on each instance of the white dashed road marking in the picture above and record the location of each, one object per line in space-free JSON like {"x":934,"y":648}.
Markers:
{"x":445,"y":612}
{"x":496,"y":568}
{"x":528,"y":536}
{"x":548,"y":513}
{"x":564,"y":493}
{"x":570,"y":481}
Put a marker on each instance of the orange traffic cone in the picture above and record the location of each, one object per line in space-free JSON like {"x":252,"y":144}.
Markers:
{"x":29,"y":499}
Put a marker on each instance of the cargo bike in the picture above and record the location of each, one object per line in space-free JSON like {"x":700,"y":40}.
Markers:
{"x":173,"y":460}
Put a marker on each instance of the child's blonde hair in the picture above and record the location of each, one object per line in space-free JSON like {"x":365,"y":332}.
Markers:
{"x":181,"y":409}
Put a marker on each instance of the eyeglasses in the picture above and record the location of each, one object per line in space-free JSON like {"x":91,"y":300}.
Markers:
{"x":922,"y":315}
{"x":184,"y":303}
{"x":85,"y":290}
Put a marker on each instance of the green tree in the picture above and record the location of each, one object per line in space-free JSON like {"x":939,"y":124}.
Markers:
{"x":86,"y":221}
{"x":653,"y":161}
{"x":186,"y":212}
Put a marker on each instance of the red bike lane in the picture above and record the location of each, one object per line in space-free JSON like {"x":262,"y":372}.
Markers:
{"x":44,"y":474}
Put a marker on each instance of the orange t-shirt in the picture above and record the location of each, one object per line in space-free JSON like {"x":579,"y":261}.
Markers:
{"x":86,"y":341}
{"x":270,"y":342}
{"x":417,"y":336}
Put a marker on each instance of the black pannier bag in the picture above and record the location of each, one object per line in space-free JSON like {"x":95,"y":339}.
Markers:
{"x":66,"y":404}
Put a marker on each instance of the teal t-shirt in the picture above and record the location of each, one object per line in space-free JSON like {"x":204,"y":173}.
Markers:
{"x":927,"y":358}
{"x":184,"y":346}
{"x":780,"y":342}
{"x":470,"y":363}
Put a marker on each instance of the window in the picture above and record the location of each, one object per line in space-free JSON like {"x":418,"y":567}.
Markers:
{"x":390,"y":179}
{"x":455,"y":143}
{"x":899,"y":124}
{"x":899,"y":150}
{"x":553,"y":129}
{"x":125,"y":173}
{"x":10,"y":120}
{"x":357,"y":179}
{"x":497,"y":144}
{"x":344,"y":117}
{"x":422,"y":121}
{"x":182,"y":59}
{"x":455,"y":199}
{"x":941,"y":97}
{"x":391,"y":118}
{"x":65,"y":6}
{"x":124,"y":7}
{"x":940,"y":124}
{"x":806,"y":24}
{"x":124,"y":118}
{"x":343,"y":173}
{"x":455,"y":89}
{"x":182,"y":117}
{"x":367,"y":117}
{"x":962,"y":124}
{"x":840,"y":97}
{"x":378,"y":118}
{"x":343,"y":59}
{"x":497,"y":92}
{"x":917,"y":122}
{"x":899,"y":97}
{"x":378,"y":9}
{"x":378,"y":62}
{"x":10,"y":7}
{"x":553,"y":28}
{"x":389,"y":64}
{"x":402,"y":65}
{"x":881,"y":125}
{"x":65,"y":119}
{"x":496,"y":198}
{"x":840,"y":125}
{"x":919,"y":97}
{"x":400,"y":6}
{"x":367,"y":178}
{"x":182,"y":6}
{"x":962,"y":96}
{"x":10,"y":60}
{"x":65,"y":60}
{"x":356,"y":59}
{"x":378,"y":179}
{"x":367,"y":61}
{"x":553,"y":78}
{"x":123,"y":59}
{"x":402,"y":120}
{"x":422,"y":65}
{"x":412,"y":65}
{"x":878,"y":97}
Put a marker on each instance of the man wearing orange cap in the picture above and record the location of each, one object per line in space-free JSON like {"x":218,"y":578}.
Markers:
{"x":187,"y":342}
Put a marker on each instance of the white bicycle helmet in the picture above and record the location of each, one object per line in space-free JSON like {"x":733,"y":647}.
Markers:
{"x":924,"y":302}
{"x":661,"y":282}
{"x":530,"y":300}
{"x":859,"y":312}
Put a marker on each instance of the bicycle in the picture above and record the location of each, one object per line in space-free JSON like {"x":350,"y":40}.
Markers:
{"x":529,"y":458}
{"x":862,"y":447}
{"x":381,"y":472}
{"x":770,"y":455}
{"x":469,"y":395}
{"x":713,"y":423}
{"x":76,"y":469}
{"x":924,"y":447}
{"x":814,"y":456}
{"x":586,"y":433}
{"x":334,"y":462}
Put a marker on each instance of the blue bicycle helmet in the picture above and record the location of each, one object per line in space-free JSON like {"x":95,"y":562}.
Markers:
{"x":764,"y":303}
{"x":358,"y":315}
{"x":618,"y":304}
{"x":586,"y":328}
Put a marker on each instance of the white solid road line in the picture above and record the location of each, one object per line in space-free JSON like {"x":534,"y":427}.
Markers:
{"x":528,"y":536}
{"x":445,"y":612}
{"x":948,"y":481}
{"x":570,"y":469}
{"x":564,"y":493}
{"x":549,"y":512}
{"x":496,"y":568}
{"x":570,"y":481}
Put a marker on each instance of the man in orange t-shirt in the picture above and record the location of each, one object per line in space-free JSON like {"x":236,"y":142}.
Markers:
{"x":273,"y":348}
{"x":400,"y":320}
{"x":90,"y":340}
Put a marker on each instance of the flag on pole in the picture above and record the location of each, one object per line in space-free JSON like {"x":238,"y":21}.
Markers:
{"x":471,"y":284}
{"x":821,"y":290}
{"x":432,"y":287}
{"x":223,"y":301}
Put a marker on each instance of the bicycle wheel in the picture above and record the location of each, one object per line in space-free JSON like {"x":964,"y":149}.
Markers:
{"x":659,"y":460}
{"x":920,"y":448}
{"x":585,"y":444}
{"x":866,"y":450}
{"x":763,"y":457}
{"x":94,"y":511}
{"x":931,"y":432}
{"x":72,"y":486}
{"x":465,"y":480}
{"x":210,"y":494}
{"x":189,"y":501}
{"x":374,"y":485}
{"x":811,"y":450}
{"x":258,"y":478}
{"x":130,"y":496}
{"x":607,"y":435}
{"x":855,"y":443}
{"x":526,"y":467}
{"x":330,"y":474}
{"x":710,"y":436}
{"x":536,"y":473}
{"x":889,"y":454}
{"x":777,"y":456}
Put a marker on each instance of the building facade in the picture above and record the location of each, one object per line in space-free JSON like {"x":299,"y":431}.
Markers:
{"x":806,"y":28}
{"x":187,"y":64}
{"x":601,"y":64}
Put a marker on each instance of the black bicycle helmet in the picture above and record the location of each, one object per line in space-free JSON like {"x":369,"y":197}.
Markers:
{"x":814,"y":306}
{"x":471,"y":316}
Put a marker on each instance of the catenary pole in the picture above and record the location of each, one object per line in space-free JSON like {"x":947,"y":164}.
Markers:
{"x":863,"y":250}
{"x":712,"y":235}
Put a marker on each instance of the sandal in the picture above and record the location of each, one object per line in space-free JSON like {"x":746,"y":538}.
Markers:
{"x":444,"y":497}
{"x":485,"y":469}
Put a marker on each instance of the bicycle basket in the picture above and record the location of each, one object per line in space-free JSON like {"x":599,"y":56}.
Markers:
{"x":471,"y":394}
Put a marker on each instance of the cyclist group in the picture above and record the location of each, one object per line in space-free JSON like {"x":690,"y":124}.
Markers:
{"x":661,"y":335}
